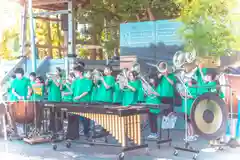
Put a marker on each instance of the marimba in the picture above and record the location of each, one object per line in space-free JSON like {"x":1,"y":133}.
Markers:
{"x":123,"y":123}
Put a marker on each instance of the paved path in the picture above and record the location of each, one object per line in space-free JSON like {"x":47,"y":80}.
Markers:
{"x":17,"y":150}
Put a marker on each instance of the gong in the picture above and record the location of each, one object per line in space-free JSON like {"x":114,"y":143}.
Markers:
{"x":209,"y":116}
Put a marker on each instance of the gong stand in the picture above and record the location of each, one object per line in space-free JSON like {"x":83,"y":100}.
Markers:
{"x":186,"y":147}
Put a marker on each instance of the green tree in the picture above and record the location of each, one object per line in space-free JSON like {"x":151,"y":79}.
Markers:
{"x":207,"y":26}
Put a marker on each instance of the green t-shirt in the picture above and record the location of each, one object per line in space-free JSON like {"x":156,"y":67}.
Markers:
{"x":140,"y":92}
{"x":199,"y":77}
{"x":9,"y":90}
{"x":79,"y":86}
{"x":211,"y":87}
{"x":21,"y":87}
{"x":130,"y":97}
{"x":165,"y":88}
{"x":106,"y":95}
{"x":37,"y":92}
{"x":67,"y":88}
{"x":152,"y":99}
{"x":94,"y":93}
{"x":117,"y":94}
{"x":54,"y":91}
{"x":193,"y":92}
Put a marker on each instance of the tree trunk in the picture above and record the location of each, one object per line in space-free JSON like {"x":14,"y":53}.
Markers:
{"x":100,"y":53}
{"x":93,"y":55}
{"x":150,"y":14}
{"x":138,"y":18}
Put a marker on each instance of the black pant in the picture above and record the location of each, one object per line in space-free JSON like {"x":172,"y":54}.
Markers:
{"x":153,"y":122}
{"x":168,"y":100}
{"x":73,"y":127}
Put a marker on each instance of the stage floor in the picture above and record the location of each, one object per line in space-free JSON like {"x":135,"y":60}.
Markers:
{"x":17,"y":150}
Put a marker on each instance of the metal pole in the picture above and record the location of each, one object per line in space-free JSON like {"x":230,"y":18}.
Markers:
{"x":32,"y":33}
{"x":23,"y":29}
{"x":71,"y":36}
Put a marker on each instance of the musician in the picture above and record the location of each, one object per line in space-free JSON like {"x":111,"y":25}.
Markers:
{"x":106,"y":84}
{"x":200,"y":74}
{"x":54,"y":84}
{"x":9,"y":89}
{"x":117,"y":92}
{"x":94,"y":92}
{"x":66,"y":88}
{"x":189,"y":101}
{"x":32,"y":77}
{"x":130,"y":92}
{"x":21,"y":90}
{"x":81,"y":88}
{"x":166,"y":85}
{"x":153,"y":99}
{"x":21,"y":87}
{"x":37,"y":89}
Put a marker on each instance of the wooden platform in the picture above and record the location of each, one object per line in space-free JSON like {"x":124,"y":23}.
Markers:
{"x":37,"y":140}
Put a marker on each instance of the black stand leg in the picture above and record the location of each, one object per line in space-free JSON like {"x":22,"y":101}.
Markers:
{"x":163,"y":141}
{"x":186,"y":148}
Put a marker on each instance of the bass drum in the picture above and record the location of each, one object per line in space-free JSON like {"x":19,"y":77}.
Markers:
{"x":23,"y":111}
{"x":209,"y":116}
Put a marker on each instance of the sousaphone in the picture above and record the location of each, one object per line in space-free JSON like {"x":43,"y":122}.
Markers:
{"x":209,"y":116}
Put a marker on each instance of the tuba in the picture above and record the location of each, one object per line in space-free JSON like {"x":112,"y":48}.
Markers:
{"x":180,"y":58}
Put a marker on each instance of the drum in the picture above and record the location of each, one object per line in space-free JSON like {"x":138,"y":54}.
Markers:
{"x":232,"y":80}
{"x":23,"y":111}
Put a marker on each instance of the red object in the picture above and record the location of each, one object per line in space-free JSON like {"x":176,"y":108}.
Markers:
{"x":233,"y":81}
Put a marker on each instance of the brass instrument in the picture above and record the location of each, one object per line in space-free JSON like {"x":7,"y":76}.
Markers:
{"x":136,"y":67}
{"x":122,"y":79}
{"x":162,"y":69}
{"x":88,"y":74}
{"x":51,"y":75}
{"x":147,"y":88}
{"x":180,"y":58}
{"x":96,"y":75}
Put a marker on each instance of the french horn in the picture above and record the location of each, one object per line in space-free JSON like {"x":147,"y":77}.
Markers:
{"x":96,"y":75}
{"x":122,"y":79}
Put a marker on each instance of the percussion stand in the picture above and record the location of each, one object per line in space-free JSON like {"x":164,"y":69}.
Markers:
{"x":186,"y":147}
{"x":232,"y":142}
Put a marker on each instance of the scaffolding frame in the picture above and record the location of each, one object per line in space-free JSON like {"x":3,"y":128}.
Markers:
{"x":54,"y":7}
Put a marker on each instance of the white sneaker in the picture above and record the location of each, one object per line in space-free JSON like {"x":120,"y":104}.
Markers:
{"x":191,"y":138}
{"x":153,"y":136}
